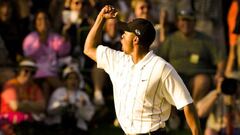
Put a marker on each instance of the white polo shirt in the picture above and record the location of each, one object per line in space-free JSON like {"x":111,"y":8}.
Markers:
{"x":143,"y":92}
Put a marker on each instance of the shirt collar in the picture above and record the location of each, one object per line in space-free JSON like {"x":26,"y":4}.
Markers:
{"x":144,"y":61}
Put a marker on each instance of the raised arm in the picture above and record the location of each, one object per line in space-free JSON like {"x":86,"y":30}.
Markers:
{"x":94,"y":36}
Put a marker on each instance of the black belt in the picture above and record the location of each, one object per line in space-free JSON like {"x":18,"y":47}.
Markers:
{"x":160,"y":131}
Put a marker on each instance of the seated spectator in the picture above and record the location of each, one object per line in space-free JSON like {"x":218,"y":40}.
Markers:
{"x":221,"y":107}
{"x":46,"y":48}
{"x":194,"y":56}
{"x":22,"y":99}
{"x":70,"y":106}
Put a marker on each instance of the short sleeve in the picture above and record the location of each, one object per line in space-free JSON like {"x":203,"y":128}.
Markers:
{"x":109,"y":59}
{"x":174,"y":89}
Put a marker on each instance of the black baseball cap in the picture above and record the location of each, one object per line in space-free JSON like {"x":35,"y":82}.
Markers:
{"x":142,"y":28}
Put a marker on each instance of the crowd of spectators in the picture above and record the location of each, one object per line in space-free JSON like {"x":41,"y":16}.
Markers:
{"x":46,"y":80}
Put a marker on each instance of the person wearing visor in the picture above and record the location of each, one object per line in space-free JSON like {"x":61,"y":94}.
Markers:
{"x":144,"y":85}
{"x":194,"y":55}
{"x":22,"y":100}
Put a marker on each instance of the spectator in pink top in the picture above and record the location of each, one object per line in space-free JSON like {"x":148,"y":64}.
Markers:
{"x":46,"y":48}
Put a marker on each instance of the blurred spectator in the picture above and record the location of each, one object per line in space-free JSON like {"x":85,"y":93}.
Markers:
{"x":70,"y":106}
{"x":23,"y":9}
{"x":76,"y":27}
{"x":4,"y":53}
{"x":124,"y":9}
{"x":168,"y":16}
{"x":169,"y":9}
{"x":111,"y":34}
{"x":209,"y":20}
{"x":141,"y":9}
{"x":55,"y":12}
{"x":194,"y":55}
{"x":221,"y":107}
{"x":6,"y":64}
{"x":22,"y":100}
{"x":9,"y":30}
{"x":163,"y":29}
{"x":46,"y":48}
{"x":156,"y":8}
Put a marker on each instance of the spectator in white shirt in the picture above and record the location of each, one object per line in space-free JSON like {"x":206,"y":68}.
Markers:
{"x":70,"y":106}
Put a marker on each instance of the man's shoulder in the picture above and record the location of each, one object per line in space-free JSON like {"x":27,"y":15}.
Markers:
{"x":161,"y":62}
{"x":111,"y":51}
{"x":159,"y":59}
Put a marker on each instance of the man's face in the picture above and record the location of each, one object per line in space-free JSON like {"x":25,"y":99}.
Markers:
{"x":127,"y":42}
{"x":186,"y":26}
{"x":142,"y":10}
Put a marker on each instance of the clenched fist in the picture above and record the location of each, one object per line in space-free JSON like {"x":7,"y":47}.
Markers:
{"x":108,"y":12}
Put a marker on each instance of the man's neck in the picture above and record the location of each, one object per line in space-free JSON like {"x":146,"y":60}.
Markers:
{"x":138,"y":56}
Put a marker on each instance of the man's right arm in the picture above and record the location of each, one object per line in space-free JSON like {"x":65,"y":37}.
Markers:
{"x":192,"y":119}
{"x":94,"y":36}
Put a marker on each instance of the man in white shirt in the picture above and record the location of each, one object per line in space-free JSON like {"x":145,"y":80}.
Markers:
{"x":145,"y":85}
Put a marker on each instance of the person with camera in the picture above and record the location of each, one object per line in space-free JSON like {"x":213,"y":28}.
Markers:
{"x":70,"y":106}
{"x":221,"y":106}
